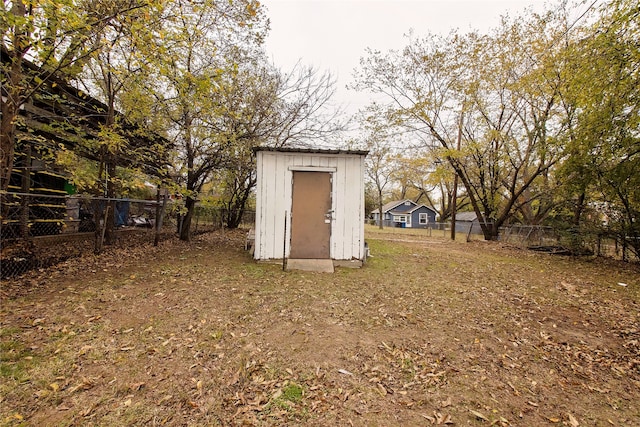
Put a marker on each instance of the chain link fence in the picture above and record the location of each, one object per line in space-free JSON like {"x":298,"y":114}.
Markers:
{"x":435,"y":229}
{"x":580,"y":241}
{"x":41,"y":230}
{"x":575,"y":241}
{"x":532,"y":237}
{"x":211,"y":218}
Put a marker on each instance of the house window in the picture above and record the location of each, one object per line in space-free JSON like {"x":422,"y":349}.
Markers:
{"x":424,"y":218}
{"x":399,"y":218}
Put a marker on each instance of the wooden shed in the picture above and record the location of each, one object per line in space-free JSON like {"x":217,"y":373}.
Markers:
{"x":310,"y":207}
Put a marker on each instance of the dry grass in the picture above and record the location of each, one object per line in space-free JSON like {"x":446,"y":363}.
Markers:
{"x":428,"y":332}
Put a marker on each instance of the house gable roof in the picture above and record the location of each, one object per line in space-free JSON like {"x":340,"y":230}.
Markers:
{"x":387,"y":207}
{"x":393,"y":206}
{"x":420,"y":207}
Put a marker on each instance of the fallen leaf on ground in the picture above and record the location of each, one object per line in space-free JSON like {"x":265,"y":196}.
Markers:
{"x":432,"y":419}
{"x":478,"y":415}
{"x":136,"y":386}
{"x":165,"y":399}
{"x":84,"y":349}
{"x":442,"y":418}
{"x":573,"y":421}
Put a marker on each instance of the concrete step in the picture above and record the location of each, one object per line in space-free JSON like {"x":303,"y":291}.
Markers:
{"x":319,"y":265}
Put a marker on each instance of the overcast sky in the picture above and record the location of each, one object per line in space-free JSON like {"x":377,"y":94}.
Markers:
{"x":333,"y":34}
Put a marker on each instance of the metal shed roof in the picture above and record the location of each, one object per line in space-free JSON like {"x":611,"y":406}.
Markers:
{"x":311,"y":150}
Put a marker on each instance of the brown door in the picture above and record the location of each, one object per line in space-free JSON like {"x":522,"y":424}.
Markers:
{"x":311,"y":215}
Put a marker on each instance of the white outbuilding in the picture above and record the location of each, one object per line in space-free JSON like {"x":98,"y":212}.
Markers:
{"x":310,"y":207}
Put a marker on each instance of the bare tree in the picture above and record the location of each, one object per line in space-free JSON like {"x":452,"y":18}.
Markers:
{"x":509,"y":99}
{"x":199,"y":46}
{"x":265,"y":106}
{"x":379,"y":140}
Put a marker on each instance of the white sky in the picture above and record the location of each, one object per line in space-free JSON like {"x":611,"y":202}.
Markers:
{"x":333,"y":34}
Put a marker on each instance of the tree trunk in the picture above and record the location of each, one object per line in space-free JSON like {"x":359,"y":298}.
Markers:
{"x":185,"y":231}
{"x":111,"y":164}
{"x":234,"y":217}
{"x":26,"y":188}
{"x":10,"y":111}
{"x":487,"y":231}
{"x":15,"y":96}
{"x":238,"y":204}
{"x":7,"y":143}
{"x":110,"y":225}
{"x":101,"y":206}
{"x":490,"y":229}
{"x":495,"y":230}
{"x":577,"y":212}
{"x":99,"y":211}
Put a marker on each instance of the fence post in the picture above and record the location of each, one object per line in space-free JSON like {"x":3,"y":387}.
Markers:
{"x":156,"y":237}
{"x":284,"y":243}
{"x":507,"y":233}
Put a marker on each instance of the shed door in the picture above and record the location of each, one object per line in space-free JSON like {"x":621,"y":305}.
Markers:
{"x":311,"y":215}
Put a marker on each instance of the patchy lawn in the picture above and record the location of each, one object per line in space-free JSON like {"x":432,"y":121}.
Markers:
{"x":428,"y":332}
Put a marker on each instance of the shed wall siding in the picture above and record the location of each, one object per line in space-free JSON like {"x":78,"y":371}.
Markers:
{"x":274,"y":199}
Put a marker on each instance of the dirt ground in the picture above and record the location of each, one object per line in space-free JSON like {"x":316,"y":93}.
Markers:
{"x":429,"y":332}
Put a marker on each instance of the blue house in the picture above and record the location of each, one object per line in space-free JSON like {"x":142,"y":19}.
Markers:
{"x":405,"y":214}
